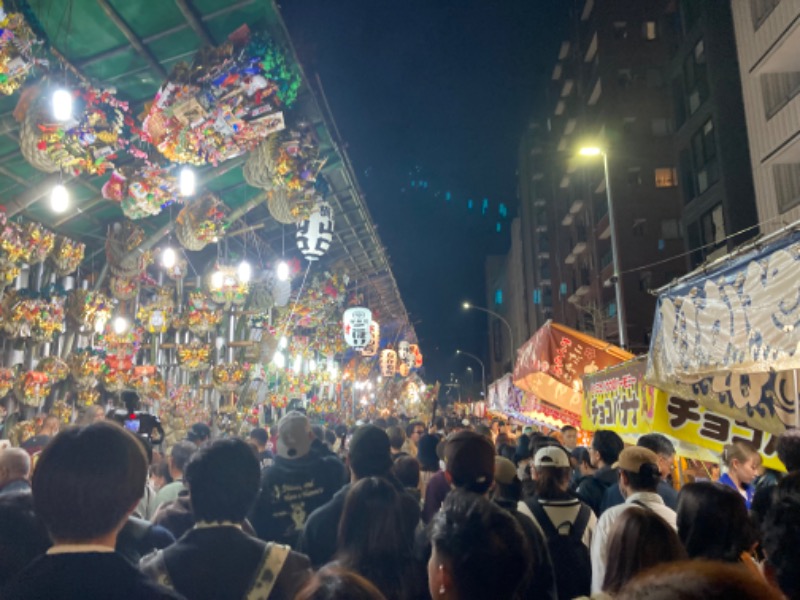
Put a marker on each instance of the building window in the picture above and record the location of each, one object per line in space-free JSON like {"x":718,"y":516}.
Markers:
{"x":695,"y":77}
{"x":660,"y":127}
{"x":678,"y":102}
{"x":629,"y":125}
{"x":760,"y":10}
{"x":666,"y":177}
{"x":620,"y":30}
{"x":639,"y":227}
{"x":787,"y":185}
{"x":778,"y":89}
{"x":562,"y":289}
{"x":612,"y":309}
{"x":547,"y":297}
{"x":704,"y":151}
{"x":635,"y":175}
{"x":707,"y":235}
{"x":624,"y":78}
{"x":498,"y":297}
{"x":649,"y":30}
{"x":670,"y":229}
{"x":687,"y":176}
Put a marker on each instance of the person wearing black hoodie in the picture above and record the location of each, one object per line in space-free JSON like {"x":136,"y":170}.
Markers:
{"x":298,"y":482}
{"x":605,"y":450}
{"x":369,"y":455}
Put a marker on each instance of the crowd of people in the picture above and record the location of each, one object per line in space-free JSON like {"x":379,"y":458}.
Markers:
{"x":395,"y":509}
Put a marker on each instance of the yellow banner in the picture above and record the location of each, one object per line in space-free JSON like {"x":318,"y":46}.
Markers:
{"x":618,"y":399}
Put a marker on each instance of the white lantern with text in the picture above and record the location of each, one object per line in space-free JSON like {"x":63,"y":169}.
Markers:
{"x":356,"y":327}
{"x":388,"y":363}
{"x":402,"y":351}
{"x":371,"y":349}
{"x":315,"y":234}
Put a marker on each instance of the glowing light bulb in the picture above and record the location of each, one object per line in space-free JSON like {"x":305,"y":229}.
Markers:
{"x":298,"y":363}
{"x":283,"y":343}
{"x":168,"y":257}
{"x":120,"y":325}
{"x":187,"y":182}
{"x":59,"y":198}
{"x":62,"y":105}
{"x":244,"y":272}
{"x":279,"y":360}
{"x":282,"y":271}
{"x":99,"y":325}
{"x":217,"y":280}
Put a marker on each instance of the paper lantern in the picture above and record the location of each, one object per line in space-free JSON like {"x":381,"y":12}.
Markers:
{"x":418,"y":360}
{"x":403,"y":350}
{"x":415,"y":356}
{"x":371,"y":349}
{"x":281,"y":290}
{"x":388,"y":363}
{"x":356,"y":327}
{"x":403,"y":370}
{"x":315,"y":234}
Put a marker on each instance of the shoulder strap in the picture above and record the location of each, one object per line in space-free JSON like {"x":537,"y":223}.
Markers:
{"x":541,"y":517}
{"x":581,"y":521}
{"x":265,"y":578}
{"x":642,"y":504}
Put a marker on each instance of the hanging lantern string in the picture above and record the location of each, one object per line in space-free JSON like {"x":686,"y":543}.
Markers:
{"x":288,"y":321}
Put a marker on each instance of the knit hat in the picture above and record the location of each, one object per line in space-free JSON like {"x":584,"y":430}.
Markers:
{"x":426,"y":451}
{"x":504,"y":470}
{"x":551,"y":456}
{"x":631,"y":459}
{"x":469,"y":458}
{"x":294,"y":435}
{"x":369,"y":452}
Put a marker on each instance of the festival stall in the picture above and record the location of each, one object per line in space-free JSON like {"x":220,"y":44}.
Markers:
{"x":146,"y":250}
{"x":727,"y":336}
{"x":550,"y":367}
{"x":618,"y":398}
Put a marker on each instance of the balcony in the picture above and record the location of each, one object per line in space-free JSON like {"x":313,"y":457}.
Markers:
{"x":596,"y":91}
{"x":579,"y":241}
{"x":540,"y":203}
{"x":576,"y":207}
{"x":567,"y":220}
{"x":570,"y":260}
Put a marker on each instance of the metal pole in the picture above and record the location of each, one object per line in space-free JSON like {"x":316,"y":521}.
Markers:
{"x":483,"y":370}
{"x":513,"y":346}
{"x":623,"y":334}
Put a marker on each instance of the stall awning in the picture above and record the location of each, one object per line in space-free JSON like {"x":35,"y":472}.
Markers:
{"x":551,"y":364}
{"x":730,"y":337}
{"x":619,"y":399}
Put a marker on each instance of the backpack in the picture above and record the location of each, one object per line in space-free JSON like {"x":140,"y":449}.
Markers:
{"x":571,"y":560}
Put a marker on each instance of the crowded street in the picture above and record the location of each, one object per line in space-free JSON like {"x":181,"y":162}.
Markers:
{"x":367,"y":300}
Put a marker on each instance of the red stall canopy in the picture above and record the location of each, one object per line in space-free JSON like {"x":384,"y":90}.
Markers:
{"x":552,"y":363}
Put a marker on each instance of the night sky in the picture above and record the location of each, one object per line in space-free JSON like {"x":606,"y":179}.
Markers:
{"x":438,"y":92}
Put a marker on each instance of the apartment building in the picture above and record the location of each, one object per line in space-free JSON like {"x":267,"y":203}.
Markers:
{"x":768,"y":46}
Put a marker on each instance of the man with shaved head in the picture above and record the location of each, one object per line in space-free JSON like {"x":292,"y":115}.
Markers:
{"x":15,"y":470}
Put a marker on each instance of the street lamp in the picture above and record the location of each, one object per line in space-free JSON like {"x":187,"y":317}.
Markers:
{"x":468,"y":306}
{"x":483,"y":370}
{"x":623,"y":334}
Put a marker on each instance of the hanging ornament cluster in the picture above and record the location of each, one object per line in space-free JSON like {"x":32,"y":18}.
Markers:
{"x":356,"y":322}
{"x":226,"y":287}
{"x":20,"y":51}
{"x":201,"y":222}
{"x":229,"y":377}
{"x":201,"y":315}
{"x":388,"y":363}
{"x":144,"y":191}
{"x":194,"y":356}
{"x":89,"y":141}
{"x":88,"y":310}
{"x":371,"y":349}
{"x":33,"y":316}
{"x":156,"y":316}
{"x":227,"y":101}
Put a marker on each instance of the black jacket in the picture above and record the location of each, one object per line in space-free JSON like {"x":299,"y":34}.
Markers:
{"x":592,"y":490}
{"x":84,"y":576}
{"x":320,"y":536}
{"x":219,"y":563}
{"x":291,"y":489}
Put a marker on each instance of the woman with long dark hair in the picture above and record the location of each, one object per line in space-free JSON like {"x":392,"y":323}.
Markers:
{"x":713,"y":522}
{"x":639,"y":540}
{"x":374,"y":542}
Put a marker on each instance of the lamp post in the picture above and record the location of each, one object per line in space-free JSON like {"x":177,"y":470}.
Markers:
{"x":623,"y":334}
{"x":483,"y":370}
{"x":468,"y":306}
